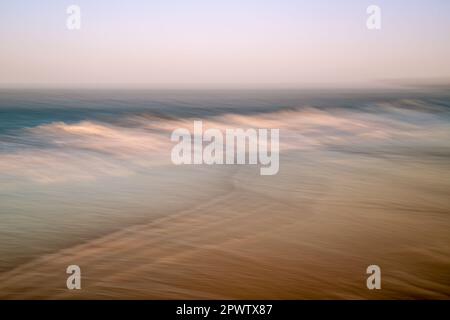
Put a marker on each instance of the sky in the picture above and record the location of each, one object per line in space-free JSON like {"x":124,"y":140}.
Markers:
{"x":170,"y":43}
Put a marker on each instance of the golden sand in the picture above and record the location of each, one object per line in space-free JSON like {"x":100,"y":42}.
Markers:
{"x":256,"y":242}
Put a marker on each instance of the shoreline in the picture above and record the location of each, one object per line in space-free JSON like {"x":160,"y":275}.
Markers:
{"x":255,"y":243}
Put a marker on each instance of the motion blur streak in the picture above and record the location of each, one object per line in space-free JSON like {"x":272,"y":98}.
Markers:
{"x":86,"y":178}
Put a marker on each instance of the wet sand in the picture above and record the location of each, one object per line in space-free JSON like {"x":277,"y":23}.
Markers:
{"x":308,"y":233}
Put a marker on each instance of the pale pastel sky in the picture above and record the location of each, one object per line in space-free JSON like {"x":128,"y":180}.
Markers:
{"x":228,"y":42}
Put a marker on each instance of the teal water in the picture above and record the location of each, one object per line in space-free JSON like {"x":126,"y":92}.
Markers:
{"x":77,"y":164}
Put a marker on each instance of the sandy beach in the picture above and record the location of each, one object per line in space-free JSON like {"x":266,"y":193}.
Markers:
{"x":225,"y":150}
{"x":256,"y":241}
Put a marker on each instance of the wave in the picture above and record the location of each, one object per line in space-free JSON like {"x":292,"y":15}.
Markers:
{"x":60,"y":151}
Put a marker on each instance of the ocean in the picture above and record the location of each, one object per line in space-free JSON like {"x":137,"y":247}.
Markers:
{"x":364,"y":179}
